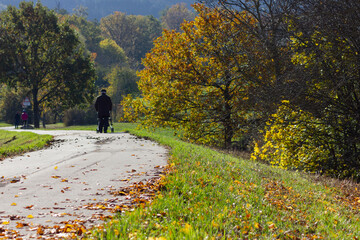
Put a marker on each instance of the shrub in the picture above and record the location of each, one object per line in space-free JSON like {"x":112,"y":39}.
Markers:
{"x":78,"y":116}
{"x":295,"y":139}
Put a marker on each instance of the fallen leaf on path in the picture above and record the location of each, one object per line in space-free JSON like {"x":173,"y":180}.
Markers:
{"x":40,"y":231}
{"x":19,"y":225}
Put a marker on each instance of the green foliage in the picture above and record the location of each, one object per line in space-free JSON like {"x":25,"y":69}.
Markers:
{"x":134,"y":34}
{"x":123,"y":81}
{"x":10,"y":103}
{"x":89,"y":31}
{"x":45,"y":57}
{"x":110,"y":54}
{"x":80,"y":116}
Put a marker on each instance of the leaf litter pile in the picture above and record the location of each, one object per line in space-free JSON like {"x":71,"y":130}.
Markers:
{"x":125,"y":199}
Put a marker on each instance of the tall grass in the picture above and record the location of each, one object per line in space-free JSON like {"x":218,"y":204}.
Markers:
{"x":211,"y":195}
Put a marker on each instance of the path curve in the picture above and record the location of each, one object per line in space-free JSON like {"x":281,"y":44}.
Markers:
{"x":53,"y":186}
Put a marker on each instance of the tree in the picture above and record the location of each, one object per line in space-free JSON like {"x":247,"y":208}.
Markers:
{"x":271,"y":30}
{"x":81,"y":11}
{"x":319,"y":130}
{"x":174,"y":16}
{"x":123,"y":81}
{"x":89,"y":31}
{"x":326,"y":52}
{"x":199,"y":80}
{"x":10,"y":103}
{"x":110,"y":54}
{"x":43,"y":56}
{"x":134,"y":34}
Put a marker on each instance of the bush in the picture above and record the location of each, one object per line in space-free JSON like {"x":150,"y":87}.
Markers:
{"x":78,"y":116}
{"x":295,"y":139}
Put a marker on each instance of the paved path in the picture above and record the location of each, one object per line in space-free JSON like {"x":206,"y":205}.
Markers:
{"x":59,"y":184}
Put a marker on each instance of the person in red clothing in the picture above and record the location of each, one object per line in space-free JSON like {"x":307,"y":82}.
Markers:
{"x":24,"y":118}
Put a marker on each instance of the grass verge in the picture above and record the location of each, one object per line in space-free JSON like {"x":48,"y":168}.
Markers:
{"x":212,"y":195}
{"x":13,"y":143}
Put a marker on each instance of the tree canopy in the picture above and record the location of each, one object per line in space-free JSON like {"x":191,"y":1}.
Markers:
{"x":315,"y":49}
{"x":199,"y":80}
{"x":289,"y":68}
{"x":134,"y":34}
{"x":173,"y":17}
{"x":44,"y":56}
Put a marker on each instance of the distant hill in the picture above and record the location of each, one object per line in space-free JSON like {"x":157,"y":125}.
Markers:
{"x":101,"y":8}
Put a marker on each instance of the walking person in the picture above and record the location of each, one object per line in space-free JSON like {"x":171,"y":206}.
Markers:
{"x":17,"y":120}
{"x":103,"y":106}
{"x":24,"y":118}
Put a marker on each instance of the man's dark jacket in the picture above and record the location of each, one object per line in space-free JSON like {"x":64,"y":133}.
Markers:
{"x":103,"y":105}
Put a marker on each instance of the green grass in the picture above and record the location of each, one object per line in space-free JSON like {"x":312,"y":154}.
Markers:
{"x":13,"y":143}
{"x":212,"y":195}
{"x":2,"y":124}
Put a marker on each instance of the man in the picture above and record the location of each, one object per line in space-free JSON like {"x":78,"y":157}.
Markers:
{"x":103,"y":106}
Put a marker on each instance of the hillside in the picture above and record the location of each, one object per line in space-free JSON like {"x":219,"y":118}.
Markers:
{"x":100,"y":8}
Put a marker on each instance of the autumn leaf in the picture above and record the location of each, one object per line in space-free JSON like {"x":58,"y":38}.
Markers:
{"x":187,"y":228}
{"x":40,"y":230}
{"x":19,"y":225}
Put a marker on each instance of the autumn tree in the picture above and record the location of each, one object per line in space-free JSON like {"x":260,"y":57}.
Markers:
{"x":198,"y":80}
{"x":318,"y":130}
{"x":326,"y":53}
{"x":271,"y":30}
{"x":174,"y":16}
{"x":134,"y":34}
{"x":44,"y":56}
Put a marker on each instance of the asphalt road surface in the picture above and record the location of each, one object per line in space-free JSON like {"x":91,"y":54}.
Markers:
{"x":72,"y":180}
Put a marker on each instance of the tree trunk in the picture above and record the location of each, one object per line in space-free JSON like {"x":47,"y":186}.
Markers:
{"x":36,"y":110}
{"x":227,"y":121}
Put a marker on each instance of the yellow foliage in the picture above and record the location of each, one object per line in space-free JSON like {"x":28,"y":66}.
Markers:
{"x":193,"y":79}
{"x":292,"y":141}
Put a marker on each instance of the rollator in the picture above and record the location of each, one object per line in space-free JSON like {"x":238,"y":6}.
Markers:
{"x":103,"y":124}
